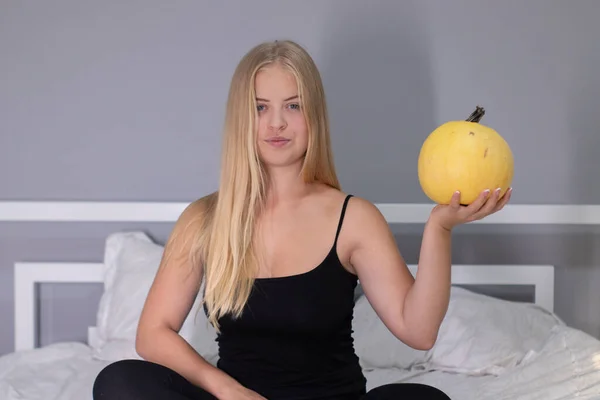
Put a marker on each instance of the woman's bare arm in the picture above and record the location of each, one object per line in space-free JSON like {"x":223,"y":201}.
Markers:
{"x":386,"y":279}
{"x":411,"y":308}
{"x":169,"y":301}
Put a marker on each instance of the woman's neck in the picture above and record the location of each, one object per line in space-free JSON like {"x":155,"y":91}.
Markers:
{"x":285,"y":185}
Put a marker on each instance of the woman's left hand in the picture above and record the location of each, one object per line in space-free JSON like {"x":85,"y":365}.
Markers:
{"x":453,"y":214}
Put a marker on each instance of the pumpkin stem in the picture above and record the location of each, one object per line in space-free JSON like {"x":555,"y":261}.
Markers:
{"x":476,"y":115}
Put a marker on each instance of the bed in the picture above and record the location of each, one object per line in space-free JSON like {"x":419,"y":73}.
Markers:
{"x":488,"y":347}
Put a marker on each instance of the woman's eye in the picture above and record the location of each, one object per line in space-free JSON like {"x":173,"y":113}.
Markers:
{"x":260,"y":107}
{"x":295,"y":106}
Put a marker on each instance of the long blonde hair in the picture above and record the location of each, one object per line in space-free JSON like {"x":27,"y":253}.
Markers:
{"x":225,"y":245}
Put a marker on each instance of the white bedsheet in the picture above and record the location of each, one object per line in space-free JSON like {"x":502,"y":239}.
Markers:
{"x":64,"y":371}
{"x":566,"y":367}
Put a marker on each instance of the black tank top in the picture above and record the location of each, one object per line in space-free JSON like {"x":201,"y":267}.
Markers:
{"x":294,"y":338}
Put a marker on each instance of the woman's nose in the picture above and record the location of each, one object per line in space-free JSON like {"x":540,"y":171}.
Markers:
{"x":277,"y":121}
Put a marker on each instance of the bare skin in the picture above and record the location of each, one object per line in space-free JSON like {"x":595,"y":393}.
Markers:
{"x":295,"y":233}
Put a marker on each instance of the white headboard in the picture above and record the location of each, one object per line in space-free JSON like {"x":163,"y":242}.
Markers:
{"x":27,"y":275}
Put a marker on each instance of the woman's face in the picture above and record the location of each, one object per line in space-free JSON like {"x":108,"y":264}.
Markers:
{"x":282,"y":136}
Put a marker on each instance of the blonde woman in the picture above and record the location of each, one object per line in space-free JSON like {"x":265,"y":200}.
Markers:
{"x":279,"y":249}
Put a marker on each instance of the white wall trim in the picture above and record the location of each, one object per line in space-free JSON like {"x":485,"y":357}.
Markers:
{"x":92,"y":211}
{"x":75,"y":211}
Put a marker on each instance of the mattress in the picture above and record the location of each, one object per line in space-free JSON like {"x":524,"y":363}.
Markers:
{"x":567,"y":366}
{"x":63,"y":371}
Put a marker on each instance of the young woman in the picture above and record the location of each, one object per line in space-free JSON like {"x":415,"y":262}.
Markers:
{"x":278,"y":250}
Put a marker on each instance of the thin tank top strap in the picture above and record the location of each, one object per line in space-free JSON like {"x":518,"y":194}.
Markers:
{"x":339,"y":228}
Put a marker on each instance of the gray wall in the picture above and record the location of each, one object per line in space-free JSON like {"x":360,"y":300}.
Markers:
{"x":123,"y":100}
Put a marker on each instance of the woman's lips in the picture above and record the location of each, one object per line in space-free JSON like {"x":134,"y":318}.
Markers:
{"x":278,"y":141}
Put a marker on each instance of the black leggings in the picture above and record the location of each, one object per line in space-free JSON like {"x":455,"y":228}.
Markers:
{"x":143,"y":380}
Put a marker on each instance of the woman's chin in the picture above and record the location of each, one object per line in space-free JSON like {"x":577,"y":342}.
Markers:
{"x":288,"y":161}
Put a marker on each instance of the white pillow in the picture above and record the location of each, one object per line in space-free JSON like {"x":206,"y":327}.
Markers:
{"x":375,"y":346}
{"x":131,"y":260}
{"x":483,"y":335}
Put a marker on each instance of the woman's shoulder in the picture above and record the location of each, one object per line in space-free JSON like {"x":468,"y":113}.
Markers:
{"x":360,"y":206}
{"x":359,"y":210}
{"x":200,"y":206}
{"x":190,"y":226}
{"x":195,"y":214}
{"x":361,"y":217}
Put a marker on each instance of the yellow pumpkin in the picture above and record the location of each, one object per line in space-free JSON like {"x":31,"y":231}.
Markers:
{"x":465,"y":156}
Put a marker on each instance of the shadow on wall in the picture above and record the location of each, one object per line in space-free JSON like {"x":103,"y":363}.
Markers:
{"x":377,"y":76}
